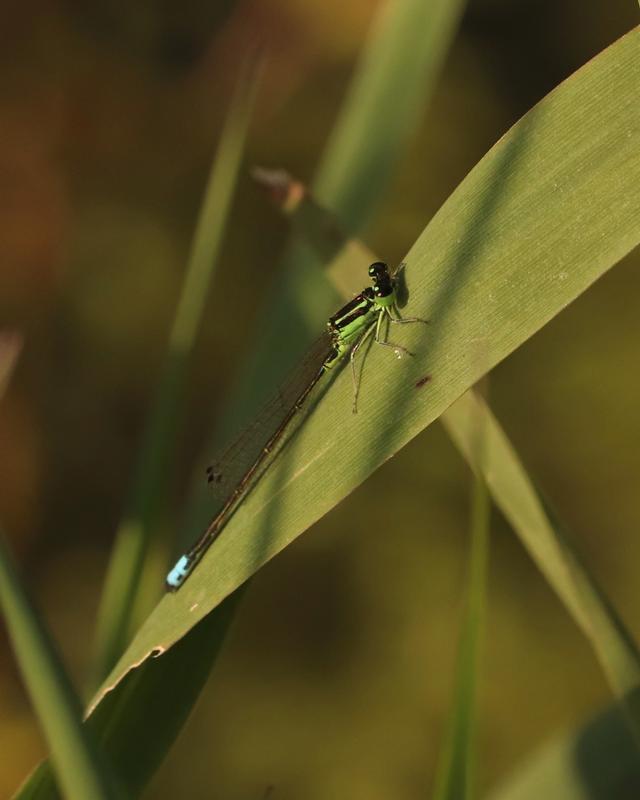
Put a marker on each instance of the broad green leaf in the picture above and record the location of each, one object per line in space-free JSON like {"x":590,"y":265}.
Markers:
{"x":550,"y":208}
{"x":125,"y":573}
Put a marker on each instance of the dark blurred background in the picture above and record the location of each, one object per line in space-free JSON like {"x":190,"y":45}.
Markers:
{"x":338,"y":671}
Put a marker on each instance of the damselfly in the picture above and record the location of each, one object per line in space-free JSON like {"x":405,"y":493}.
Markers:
{"x":244,"y":461}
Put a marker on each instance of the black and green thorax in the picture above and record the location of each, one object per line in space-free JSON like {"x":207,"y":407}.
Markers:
{"x":356,"y":317}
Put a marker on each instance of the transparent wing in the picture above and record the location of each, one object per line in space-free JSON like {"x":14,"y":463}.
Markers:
{"x":232,"y":464}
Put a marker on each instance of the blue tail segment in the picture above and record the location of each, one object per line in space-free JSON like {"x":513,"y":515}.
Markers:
{"x":178,"y":574}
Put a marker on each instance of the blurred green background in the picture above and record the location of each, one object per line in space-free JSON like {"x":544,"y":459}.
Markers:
{"x":329,"y":687}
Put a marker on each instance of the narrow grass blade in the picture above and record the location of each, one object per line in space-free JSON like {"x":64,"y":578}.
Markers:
{"x":406,"y":48}
{"x":122,"y":587}
{"x":514,"y":493}
{"x":136,"y":726}
{"x":75,"y":759}
{"x":79,"y":767}
{"x":456,"y":773}
{"x":598,"y":761}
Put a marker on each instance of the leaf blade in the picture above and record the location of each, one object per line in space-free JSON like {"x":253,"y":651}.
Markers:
{"x":516,"y":289}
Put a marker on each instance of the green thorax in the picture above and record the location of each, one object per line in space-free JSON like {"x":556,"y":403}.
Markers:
{"x":355,"y":318}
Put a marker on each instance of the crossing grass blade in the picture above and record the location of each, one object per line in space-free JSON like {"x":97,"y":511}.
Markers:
{"x":456,"y":774}
{"x":125,"y":578}
{"x":551,"y":549}
{"x":406,"y":47}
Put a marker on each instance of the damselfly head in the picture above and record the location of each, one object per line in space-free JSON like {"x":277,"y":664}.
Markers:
{"x":381,"y":279}
{"x":378,"y":269}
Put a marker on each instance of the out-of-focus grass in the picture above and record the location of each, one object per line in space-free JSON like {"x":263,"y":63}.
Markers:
{"x":455,"y":779}
{"x":545,"y":540}
{"x":76,"y":761}
{"x":406,"y":48}
{"x":598,"y":761}
{"x":125,"y":577}
{"x":398,"y":41}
